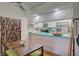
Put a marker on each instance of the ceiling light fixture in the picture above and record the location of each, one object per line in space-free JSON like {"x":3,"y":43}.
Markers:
{"x":56,"y":9}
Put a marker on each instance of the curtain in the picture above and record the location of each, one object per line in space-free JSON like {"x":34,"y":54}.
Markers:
{"x":10,"y":29}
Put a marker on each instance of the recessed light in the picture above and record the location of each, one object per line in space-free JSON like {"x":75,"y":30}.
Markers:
{"x":56,"y":9}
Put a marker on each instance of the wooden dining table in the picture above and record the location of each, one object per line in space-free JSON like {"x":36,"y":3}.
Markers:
{"x":24,"y":49}
{"x":28,"y":49}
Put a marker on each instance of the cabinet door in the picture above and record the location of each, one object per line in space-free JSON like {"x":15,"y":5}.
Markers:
{"x":52,"y":24}
{"x":38,"y":25}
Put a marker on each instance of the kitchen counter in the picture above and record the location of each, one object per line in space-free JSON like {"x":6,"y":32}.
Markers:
{"x":57,"y":44}
{"x":49,"y":34}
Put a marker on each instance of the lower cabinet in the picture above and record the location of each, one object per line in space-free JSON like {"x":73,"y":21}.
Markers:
{"x":58,"y":45}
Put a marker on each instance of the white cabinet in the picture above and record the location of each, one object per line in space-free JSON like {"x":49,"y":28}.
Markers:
{"x":52,"y":24}
{"x":38,"y":25}
{"x":57,"y":45}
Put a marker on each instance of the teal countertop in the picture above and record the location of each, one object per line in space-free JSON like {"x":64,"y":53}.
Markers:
{"x":49,"y":34}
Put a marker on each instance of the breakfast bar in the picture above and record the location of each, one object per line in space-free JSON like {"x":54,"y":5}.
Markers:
{"x":56,"y":44}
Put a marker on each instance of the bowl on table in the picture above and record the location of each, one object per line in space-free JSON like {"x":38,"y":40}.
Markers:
{"x":57,"y":33}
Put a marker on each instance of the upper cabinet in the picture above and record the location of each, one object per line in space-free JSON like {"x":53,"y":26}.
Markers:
{"x":38,"y":25}
{"x":52,"y":24}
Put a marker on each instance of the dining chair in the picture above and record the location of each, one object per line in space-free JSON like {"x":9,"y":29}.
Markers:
{"x":11,"y":52}
{"x":36,"y":53}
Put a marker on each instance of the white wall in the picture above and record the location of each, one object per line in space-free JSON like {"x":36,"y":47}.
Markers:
{"x":9,"y":10}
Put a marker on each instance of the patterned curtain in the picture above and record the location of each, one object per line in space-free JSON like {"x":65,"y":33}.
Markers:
{"x":10,"y":29}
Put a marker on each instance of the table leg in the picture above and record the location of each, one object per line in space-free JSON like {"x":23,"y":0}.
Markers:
{"x":42,"y":51}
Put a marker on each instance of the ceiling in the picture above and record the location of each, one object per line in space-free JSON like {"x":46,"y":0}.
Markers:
{"x":31,"y":5}
{"x":44,"y":7}
{"x":41,"y":8}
